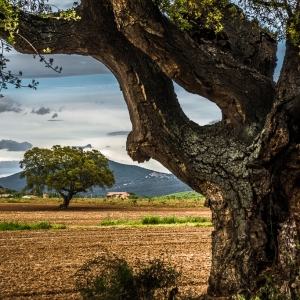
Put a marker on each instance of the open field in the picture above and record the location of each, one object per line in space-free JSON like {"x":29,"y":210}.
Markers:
{"x":79,"y":214}
{"x":41,"y":264}
{"x":184,"y":199}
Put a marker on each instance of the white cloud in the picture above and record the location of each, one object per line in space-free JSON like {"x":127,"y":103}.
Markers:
{"x":10,"y":155}
{"x":77,"y":100}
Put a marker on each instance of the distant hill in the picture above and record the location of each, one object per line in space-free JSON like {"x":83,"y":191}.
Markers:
{"x":13,"y":182}
{"x":129,"y":178}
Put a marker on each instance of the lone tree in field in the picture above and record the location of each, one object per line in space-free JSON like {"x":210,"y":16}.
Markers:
{"x":67,"y":170}
{"x":247,"y":165}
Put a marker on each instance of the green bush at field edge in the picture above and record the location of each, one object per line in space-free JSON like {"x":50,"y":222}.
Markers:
{"x":28,"y":226}
{"x":156,"y":220}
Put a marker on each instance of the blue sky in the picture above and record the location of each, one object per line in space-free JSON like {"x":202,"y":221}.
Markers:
{"x":82,"y":105}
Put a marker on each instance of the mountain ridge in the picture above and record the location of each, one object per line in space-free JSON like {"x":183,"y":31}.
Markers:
{"x":129,"y":178}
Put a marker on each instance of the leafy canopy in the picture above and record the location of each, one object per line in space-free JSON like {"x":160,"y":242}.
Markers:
{"x":280,"y":17}
{"x":182,"y":11}
{"x":67,"y":170}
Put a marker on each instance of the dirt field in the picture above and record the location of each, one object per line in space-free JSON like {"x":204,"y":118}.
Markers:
{"x":41,"y":264}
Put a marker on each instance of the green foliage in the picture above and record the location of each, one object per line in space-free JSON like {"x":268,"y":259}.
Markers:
{"x":9,"y":20}
{"x":133,"y":196}
{"x":171,"y":220}
{"x":268,"y":290}
{"x":110,"y":222}
{"x":182,"y":195}
{"x":68,"y":15}
{"x":10,"y":192}
{"x":151,"y":220}
{"x":155,"y":220}
{"x":108,"y":277}
{"x":181,"y":11}
{"x":28,"y":226}
{"x":66,"y":170}
{"x":134,"y":201}
{"x":293,"y":29}
{"x":10,"y":10}
{"x":280,"y":19}
{"x":239,"y":297}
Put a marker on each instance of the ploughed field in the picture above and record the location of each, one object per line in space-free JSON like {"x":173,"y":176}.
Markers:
{"x":41,"y":264}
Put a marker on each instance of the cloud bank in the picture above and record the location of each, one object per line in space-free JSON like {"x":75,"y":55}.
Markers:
{"x":7,"y":104}
{"x":10,"y":145}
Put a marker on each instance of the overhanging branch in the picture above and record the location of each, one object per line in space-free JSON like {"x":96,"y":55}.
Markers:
{"x":36,"y":34}
{"x":204,"y":69}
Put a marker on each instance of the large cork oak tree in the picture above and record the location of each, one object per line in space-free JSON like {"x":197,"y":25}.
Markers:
{"x":247,"y":164}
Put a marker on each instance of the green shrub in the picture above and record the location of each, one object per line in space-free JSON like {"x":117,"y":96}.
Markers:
{"x":133,"y":196}
{"x":108,"y":277}
{"x":154,"y":220}
{"x":57,"y":226}
{"x":27,"y":226}
{"x":41,"y":225}
{"x":134,"y":201}
{"x":169,"y":220}
{"x":110,"y":222}
{"x":151,"y":220}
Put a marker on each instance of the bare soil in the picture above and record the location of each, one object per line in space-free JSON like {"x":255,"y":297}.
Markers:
{"x":41,"y":264}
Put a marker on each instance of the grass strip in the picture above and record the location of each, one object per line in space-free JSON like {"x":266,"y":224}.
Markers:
{"x":155,"y":220}
{"x":110,"y":222}
{"x":29,"y":226}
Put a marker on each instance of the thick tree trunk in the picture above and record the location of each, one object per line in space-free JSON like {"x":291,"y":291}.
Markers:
{"x":247,"y":165}
{"x":255,"y":205}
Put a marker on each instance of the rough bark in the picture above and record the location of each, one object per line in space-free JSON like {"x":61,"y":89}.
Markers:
{"x":247,"y":165}
{"x":207,"y":68}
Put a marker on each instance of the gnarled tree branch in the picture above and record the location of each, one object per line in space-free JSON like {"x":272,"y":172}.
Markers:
{"x":205,"y":69}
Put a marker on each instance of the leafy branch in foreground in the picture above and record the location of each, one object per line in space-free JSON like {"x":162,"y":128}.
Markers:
{"x":7,"y":77}
{"x":9,"y":21}
{"x":277,"y":18}
{"x":181,"y":12}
